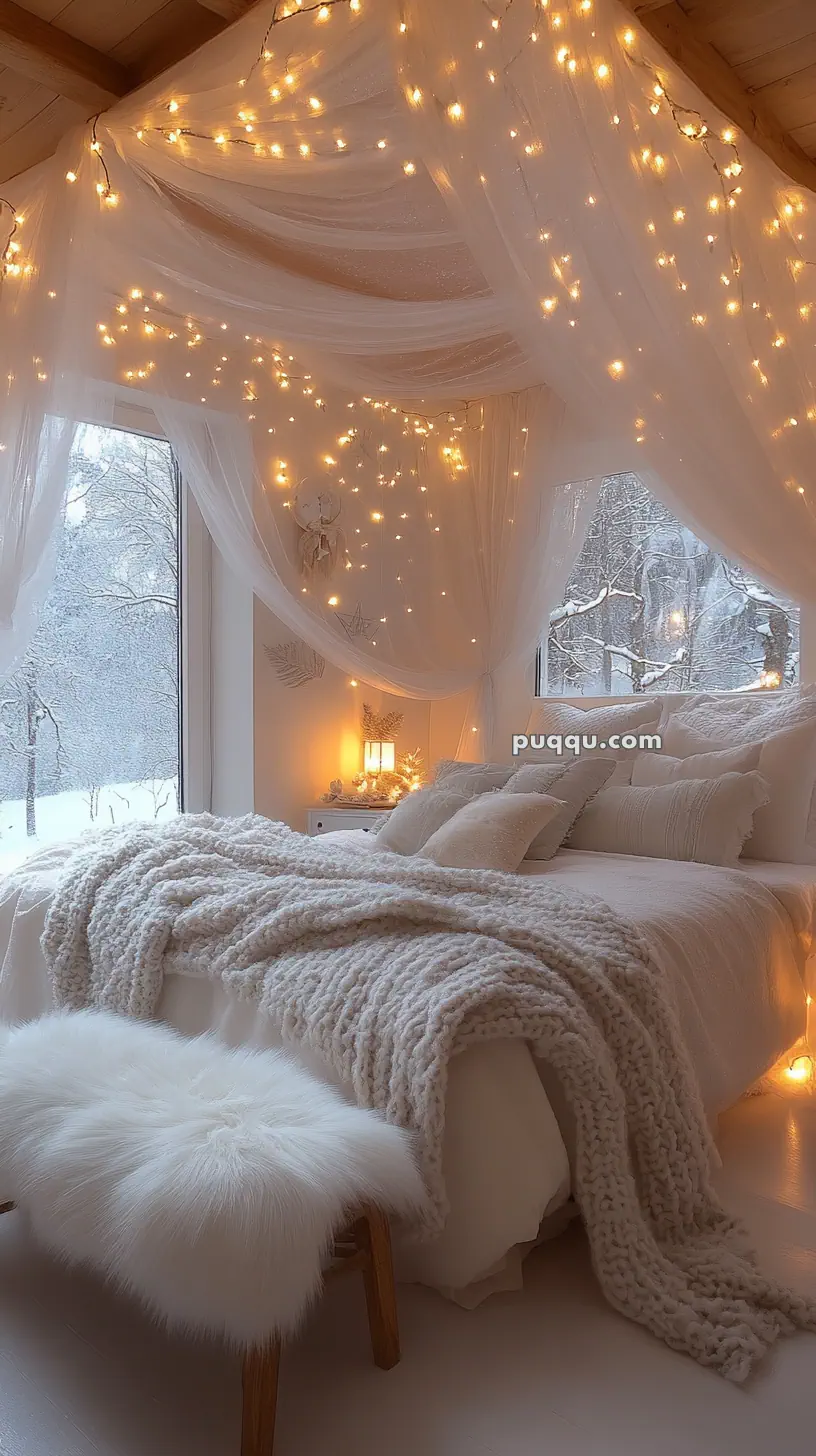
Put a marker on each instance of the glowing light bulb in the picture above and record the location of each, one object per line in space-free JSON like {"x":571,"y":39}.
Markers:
{"x":616,"y":368}
{"x":800,"y":1069}
{"x":409,"y":168}
{"x":456,"y":111}
{"x":415,"y":95}
{"x":315,"y":104}
{"x":549,"y":305}
{"x":602,"y":71}
{"x":70,"y":176}
{"x":629,"y":37}
{"x":172,"y":106}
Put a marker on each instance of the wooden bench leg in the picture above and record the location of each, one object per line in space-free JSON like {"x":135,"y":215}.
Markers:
{"x":260,"y":1386}
{"x":374,"y":1239}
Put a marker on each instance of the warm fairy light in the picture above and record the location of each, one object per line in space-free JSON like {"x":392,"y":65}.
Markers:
{"x":732,"y":306}
{"x":616,"y":368}
{"x":340,"y":144}
{"x":456,"y":111}
{"x":304,"y":149}
{"x":334,"y":601}
{"x":376,"y":515}
{"x":323,"y":13}
{"x":70,"y":176}
{"x":629,"y":37}
{"x":713,"y":204}
{"x":549,"y":305}
{"x":219,"y":139}
{"x":415,"y":95}
{"x":315,"y":104}
{"x":382,"y":144}
{"x":728,"y":136}
{"x":800,"y":1069}
{"x":408,"y":168}
{"x":602,"y":71}
{"x":679,"y":214}
{"x":172,"y":106}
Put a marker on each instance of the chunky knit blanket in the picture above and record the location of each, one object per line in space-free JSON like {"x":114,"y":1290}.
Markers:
{"x":388,"y":966}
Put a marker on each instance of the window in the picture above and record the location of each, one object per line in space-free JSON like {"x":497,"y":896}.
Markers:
{"x":650,"y":607}
{"x":90,"y":721}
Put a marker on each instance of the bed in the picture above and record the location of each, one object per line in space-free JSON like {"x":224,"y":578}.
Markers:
{"x":733,"y":945}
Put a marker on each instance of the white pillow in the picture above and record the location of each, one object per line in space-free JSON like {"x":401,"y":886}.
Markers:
{"x":472,"y":778}
{"x":641,"y":714}
{"x":417,"y":817}
{"x":573,"y":783}
{"x":491,"y":832}
{"x":785,"y":829}
{"x":746,"y":717}
{"x":707,"y":820}
{"x":661,"y":768}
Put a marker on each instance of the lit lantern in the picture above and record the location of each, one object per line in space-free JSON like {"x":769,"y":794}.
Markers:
{"x":379,"y":756}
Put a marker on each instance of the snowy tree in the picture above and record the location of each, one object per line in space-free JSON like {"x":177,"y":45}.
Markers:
{"x":95,"y":700}
{"x":649,"y":604}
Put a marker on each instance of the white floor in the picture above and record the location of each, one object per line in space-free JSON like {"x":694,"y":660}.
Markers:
{"x":550,"y":1372}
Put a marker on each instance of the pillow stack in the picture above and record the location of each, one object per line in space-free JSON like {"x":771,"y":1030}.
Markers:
{"x":758,"y":751}
{"x":777,"y":735}
{"x":492,"y":816}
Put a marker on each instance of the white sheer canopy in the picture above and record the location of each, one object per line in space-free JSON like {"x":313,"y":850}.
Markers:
{"x":439,"y":267}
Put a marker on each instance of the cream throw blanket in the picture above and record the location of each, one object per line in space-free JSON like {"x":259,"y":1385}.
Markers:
{"x":388,"y":966}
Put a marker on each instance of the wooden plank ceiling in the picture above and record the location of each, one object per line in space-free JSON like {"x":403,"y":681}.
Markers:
{"x":756,"y":60}
{"x":63,"y":60}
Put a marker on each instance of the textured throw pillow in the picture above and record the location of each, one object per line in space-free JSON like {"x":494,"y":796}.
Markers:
{"x":662,"y":768}
{"x":417,"y":817}
{"x":707,"y":820}
{"x":639,"y":715}
{"x":573,"y":783}
{"x":491,"y":832}
{"x":785,"y":829}
{"x":746,"y":717}
{"x":472,"y":778}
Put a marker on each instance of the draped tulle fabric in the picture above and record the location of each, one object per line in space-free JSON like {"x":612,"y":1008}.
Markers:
{"x":442,"y":266}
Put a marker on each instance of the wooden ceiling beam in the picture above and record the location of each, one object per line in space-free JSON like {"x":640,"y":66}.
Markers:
{"x":227,"y":9}
{"x":57,"y":61}
{"x":668,"y":24}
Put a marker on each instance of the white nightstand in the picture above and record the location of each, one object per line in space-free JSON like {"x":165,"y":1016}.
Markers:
{"x":328,"y":818}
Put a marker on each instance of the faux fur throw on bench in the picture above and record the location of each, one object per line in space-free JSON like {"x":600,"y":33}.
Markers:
{"x":389,"y":966}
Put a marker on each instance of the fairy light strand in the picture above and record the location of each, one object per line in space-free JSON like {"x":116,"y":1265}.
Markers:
{"x":8,"y":257}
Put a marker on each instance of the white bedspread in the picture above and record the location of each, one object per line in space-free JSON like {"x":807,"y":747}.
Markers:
{"x":733,"y":946}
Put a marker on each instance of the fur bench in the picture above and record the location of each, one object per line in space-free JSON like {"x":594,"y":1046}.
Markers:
{"x":210,"y":1183}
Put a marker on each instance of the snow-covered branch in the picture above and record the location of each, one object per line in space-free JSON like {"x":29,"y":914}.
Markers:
{"x":578,"y":609}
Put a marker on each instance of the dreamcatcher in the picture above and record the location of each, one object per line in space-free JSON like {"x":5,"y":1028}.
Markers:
{"x":322,"y":545}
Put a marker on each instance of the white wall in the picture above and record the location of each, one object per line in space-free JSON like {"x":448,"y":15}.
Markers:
{"x":309,"y":735}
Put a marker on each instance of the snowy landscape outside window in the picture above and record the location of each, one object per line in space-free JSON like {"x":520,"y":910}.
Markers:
{"x":649,"y":606}
{"x":89,"y":722}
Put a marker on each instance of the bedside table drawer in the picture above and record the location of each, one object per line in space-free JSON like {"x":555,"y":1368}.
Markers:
{"x":328,"y":820}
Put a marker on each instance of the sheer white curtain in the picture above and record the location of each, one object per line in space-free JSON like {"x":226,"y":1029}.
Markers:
{"x":671,"y":306}
{"x":396,"y":256}
{"x":469,"y":544}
